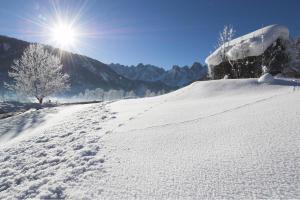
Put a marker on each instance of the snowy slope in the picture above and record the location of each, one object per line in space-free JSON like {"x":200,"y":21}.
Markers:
{"x":248,"y":45}
{"x":213,"y":139}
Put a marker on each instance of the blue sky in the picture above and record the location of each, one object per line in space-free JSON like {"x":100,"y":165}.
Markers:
{"x":159,"y":32}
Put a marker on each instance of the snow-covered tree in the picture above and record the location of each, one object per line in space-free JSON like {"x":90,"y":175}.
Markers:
{"x":130,"y":94}
{"x":225,"y":36}
{"x":37,"y":73}
{"x":100,"y":94}
{"x":2,"y":95}
{"x":293,"y":52}
{"x":264,"y":68}
{"x":149,"y":93}
{"x":273,"y":53}
{"x":115,"y":94}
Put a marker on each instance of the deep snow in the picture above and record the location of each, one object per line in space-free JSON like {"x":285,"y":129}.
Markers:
{"x":211,"y":139}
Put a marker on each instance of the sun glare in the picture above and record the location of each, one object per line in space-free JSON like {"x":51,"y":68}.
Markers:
{"x":63,"y":28}
{"x":64,"y":35}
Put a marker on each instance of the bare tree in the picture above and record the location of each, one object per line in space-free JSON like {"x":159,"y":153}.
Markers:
{"x":225,"y":37}
{"x":264,"y":68}
{"x":37,"y":73}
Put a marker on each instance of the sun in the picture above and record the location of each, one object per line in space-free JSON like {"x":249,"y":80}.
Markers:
{"x":64,"y":35}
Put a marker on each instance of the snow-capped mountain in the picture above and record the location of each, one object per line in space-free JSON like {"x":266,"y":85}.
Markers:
{"x":85,"y":72}
{"x":175,"y":77}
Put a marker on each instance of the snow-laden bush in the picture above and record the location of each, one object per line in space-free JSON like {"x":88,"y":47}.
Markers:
{"x":266,"y":78}
{"x":226,"y":76}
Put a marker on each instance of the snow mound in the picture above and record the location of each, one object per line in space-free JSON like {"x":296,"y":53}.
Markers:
{"x":250,"y":44}
{"x":266,"y":78}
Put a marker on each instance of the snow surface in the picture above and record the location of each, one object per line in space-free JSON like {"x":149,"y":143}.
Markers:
{"x":210,"y":140}
{"x":249,"y":45}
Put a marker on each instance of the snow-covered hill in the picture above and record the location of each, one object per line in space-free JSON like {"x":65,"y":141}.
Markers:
{"x":210,"y":140}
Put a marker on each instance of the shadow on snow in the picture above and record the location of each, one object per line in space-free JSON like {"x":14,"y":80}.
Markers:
{"x":13,"y":126}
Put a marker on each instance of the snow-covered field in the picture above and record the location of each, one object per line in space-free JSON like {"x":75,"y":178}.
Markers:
{"x":210,"y":140}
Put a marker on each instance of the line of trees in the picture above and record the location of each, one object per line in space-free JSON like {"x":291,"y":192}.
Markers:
{"x":102,"y":95}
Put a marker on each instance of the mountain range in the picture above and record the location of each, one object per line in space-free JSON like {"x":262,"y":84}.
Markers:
{"x":174,"y":77}
{"x":87,"y":73}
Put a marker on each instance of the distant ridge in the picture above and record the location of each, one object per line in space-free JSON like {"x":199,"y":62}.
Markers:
{"x":85,"y":73}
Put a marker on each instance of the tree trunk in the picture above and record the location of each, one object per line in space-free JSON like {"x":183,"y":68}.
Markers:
{"x":40,"y":100}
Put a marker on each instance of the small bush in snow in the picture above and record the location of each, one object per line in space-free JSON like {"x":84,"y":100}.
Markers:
{"x":226,"y":77}
{"x":266,"y":78}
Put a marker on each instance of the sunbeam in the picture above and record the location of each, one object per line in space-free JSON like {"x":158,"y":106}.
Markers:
{"x":64,"y":35}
